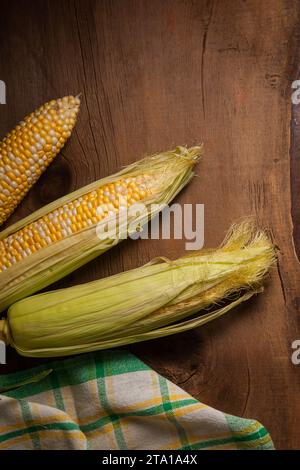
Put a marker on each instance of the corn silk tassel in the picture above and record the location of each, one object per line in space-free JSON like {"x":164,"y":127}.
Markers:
{"x":64,"y":235}
{"x":161,"y":298}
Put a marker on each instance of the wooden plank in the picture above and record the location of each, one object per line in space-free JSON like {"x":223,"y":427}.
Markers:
{"x":153,"y":75}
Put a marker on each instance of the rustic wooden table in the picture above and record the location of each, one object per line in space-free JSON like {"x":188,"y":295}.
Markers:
{"x":154,"y":74}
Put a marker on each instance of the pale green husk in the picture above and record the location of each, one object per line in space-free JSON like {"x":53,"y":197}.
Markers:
{"x":143,"y":303}
{"x":172,"y":169}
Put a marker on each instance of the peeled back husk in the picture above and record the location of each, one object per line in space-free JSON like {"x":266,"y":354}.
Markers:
{"x":161,"y":298}
{"x":30,"y":269}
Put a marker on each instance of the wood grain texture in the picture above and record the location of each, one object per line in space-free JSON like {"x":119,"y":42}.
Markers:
{"x":154,"y":74}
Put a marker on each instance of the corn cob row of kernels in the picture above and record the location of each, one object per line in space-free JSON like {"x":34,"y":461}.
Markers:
{"x":71,"y":218}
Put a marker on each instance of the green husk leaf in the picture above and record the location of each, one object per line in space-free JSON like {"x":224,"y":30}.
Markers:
{"x":143,"y":303}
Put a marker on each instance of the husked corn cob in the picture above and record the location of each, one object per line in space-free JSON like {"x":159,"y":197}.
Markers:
{"x":72,"y":217}
{"x":143,"y":303}
{"x":62,"y":236}
{"x":29,"y":148}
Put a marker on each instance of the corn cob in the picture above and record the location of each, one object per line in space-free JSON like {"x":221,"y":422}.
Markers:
{"x":29,"y":148}
{"x":143,"y":303}
{"x":62,"y":236}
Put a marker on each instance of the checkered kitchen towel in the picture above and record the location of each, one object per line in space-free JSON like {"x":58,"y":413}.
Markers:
{"x":112,"y":400}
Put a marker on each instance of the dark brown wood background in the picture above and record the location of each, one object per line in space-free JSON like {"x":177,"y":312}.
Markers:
{"x":154,"y":74}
